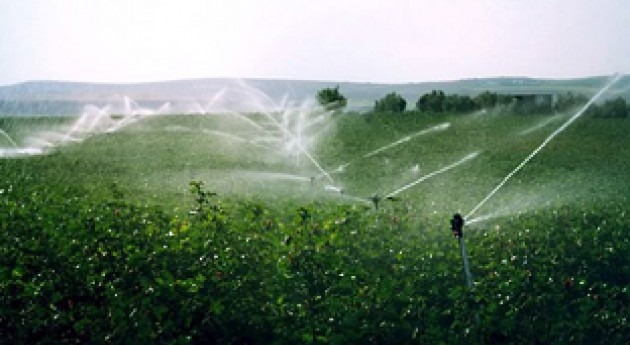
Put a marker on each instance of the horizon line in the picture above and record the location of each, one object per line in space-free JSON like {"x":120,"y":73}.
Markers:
{"x":446,"y":80}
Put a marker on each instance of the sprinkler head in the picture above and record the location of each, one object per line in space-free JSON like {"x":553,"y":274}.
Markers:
{"x":375,"y":199}
{"x":392,"y":198}
{"x":457,"y":223}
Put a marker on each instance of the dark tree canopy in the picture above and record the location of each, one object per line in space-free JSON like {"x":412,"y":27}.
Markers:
{"x":331,"y":99}
{"x":438,"y":102}
{"x":486,"y":99}
{"x":431,"y":102}
{"x":568,"y":100}
{"x":391,"y":103}
{"x":612,"y":108}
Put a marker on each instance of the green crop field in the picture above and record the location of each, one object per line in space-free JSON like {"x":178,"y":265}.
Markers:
{"x":262,"y":229}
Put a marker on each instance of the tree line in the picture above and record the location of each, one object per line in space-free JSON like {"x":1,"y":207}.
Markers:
{"x":438,"y":102}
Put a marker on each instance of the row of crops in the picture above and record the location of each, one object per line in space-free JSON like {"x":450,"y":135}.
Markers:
{"x":75,"y":270}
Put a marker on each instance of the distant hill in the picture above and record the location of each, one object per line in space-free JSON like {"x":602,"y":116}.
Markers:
{"x":68,"y":98}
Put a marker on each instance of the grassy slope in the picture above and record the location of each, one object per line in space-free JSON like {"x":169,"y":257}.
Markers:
{"x":551,"y":267}
{"x":153,"y":161}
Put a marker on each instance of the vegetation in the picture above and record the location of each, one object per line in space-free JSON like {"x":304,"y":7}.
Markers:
{"x":437,"y":102}
{"x":391,"y":103}
{"x":127,"y":249}
{"x":117,"y":273}
{"x":568,"y":101}
{"x":331,"y":99}
{"x":612,"y":108}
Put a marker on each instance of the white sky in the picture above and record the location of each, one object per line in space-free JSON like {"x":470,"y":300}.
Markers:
{"x":351,"y":40}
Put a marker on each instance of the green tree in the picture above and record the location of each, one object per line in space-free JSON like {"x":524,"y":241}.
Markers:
{"x":458,"y":104}
{"x":391,"y":103}
{"x":612,"y":108}
{"x":431,"y":102}
{"x":615,"y":108}
{"x":568,"y":100}
{"x":486,"y":99}
{"x":331,"y":99}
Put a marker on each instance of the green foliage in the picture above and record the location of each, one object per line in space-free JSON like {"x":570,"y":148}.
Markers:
{"x":458,"y":104}
{"x":486,"y":99}
{"x":331,"y":99}
{"x":431,"y":102}
{"x":391,"y":103}
{"x":569,"y":101}
{"x":117,"y":273}
{"x":202,"y":197}
{"x":438,"y":102}
{"x":612,"y":108}
{"x":83,"y":259}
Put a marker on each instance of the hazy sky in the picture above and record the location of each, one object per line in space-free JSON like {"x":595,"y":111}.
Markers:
{"x":352,"y":40}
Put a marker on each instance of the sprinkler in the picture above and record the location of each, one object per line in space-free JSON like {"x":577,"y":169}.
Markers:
{"x":457,"y":224}
{"x":375,"y":199}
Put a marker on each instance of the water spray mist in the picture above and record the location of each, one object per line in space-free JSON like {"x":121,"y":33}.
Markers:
{"x":613,"y":80}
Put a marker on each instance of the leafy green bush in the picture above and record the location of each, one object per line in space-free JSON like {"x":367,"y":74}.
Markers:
{"x":612,"y":108}
{"x":112,"y":272}
{"x":391,"y":103}
{"x":331,"y":99}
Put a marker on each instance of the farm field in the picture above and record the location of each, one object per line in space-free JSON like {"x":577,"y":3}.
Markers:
{"x":314,"y":227}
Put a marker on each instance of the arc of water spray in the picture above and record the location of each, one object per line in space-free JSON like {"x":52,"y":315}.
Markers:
{"x":439,"y":127}
{"x":356,"y":198}
{"x":284,"y":130}
{"x":100,"y":113}
{"x":76,"y":126}
{"x":613,"y":80}
{"x":247,"y":120}
{"x":232,"y":137}
{"x":164,"y":108}
{"x":127,"y":120}
{"x":299,"y":146}
{"x":6,"y":135}
{"x":249,"y":90}
{"x":434,"y":173}
{"x":214,"y":99}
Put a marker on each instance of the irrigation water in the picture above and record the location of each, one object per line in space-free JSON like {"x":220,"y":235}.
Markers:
{"x":15,"y":150}
{"x":236,"y":116}
{"x":432,"y":174}
{"x":542,"y":124}
{"x":92,"y":121}
{"x":11,"y":141}
{"x":275,"y":126}
{"x":296,"y":140}
{"x":439,"y":127}
{"x":612,"y":81}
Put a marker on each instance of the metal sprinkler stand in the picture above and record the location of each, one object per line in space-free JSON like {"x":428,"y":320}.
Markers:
{"x":375,"y":199}
{"x":457,"y":224}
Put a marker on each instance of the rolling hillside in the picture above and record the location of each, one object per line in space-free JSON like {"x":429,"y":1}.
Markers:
{"x":69,"y":98}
